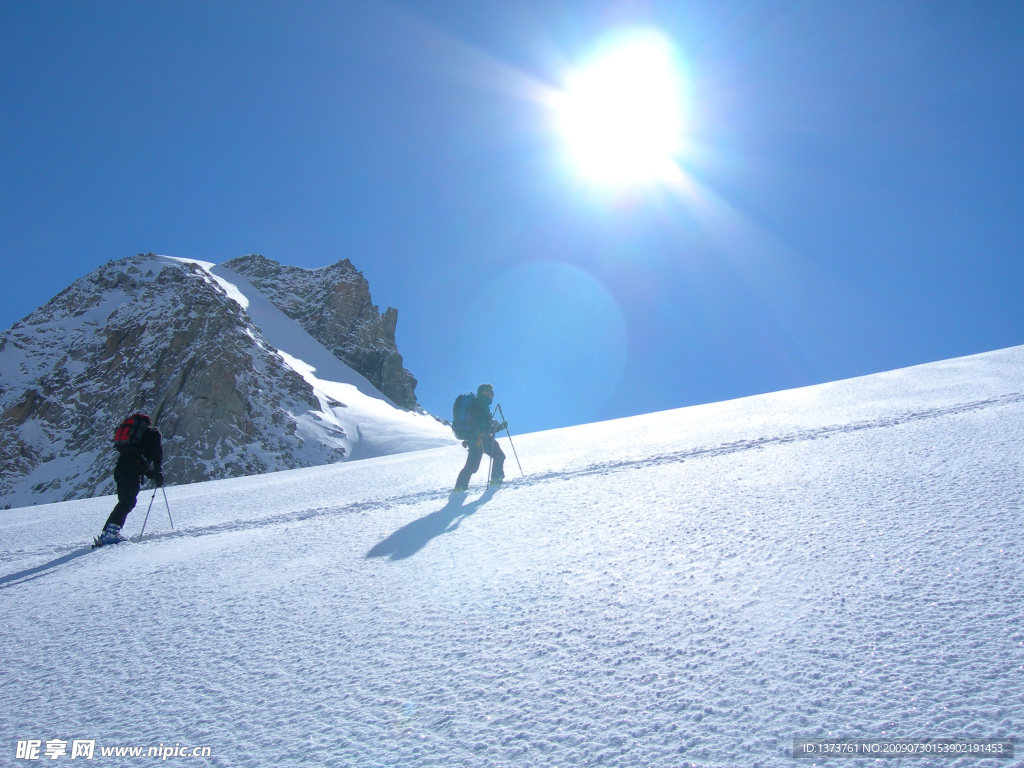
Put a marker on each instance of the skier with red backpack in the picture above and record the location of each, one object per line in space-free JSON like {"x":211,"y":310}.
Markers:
{"x":141,"y":456}
{"x":474,"y":424}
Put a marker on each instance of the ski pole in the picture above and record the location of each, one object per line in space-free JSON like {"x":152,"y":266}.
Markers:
{"x":151,"y":498}
{"x":167,"y":505}
{"x":510,"y":440}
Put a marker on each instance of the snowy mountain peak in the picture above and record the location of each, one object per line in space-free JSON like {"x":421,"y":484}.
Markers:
{"x":233,"y":395}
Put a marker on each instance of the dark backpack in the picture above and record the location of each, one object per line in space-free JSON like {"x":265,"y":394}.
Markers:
{"x":130,"y":432}
{"x":462,"y":423}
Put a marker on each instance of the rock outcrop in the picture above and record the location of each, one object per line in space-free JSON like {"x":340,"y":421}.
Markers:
{"x":333,"y":304}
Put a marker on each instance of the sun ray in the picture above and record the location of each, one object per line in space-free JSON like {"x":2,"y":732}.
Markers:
{"x":796,"y":294}
{"x":426,"y":48}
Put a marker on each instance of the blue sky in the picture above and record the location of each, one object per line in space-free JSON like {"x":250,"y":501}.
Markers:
{"x":857,"y":170}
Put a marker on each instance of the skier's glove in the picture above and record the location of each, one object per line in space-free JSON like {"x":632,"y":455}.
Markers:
{"x":158,"y":479}
{"x":503,"y":425}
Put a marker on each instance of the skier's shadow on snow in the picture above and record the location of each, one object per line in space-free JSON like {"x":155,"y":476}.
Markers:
{"x":411,"y":538}
{"x":29,"y":574}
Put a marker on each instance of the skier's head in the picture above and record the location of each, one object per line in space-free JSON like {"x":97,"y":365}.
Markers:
{"x":485,"y":390}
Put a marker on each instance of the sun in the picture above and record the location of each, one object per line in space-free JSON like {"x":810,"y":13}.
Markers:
{"x":622,"y":115}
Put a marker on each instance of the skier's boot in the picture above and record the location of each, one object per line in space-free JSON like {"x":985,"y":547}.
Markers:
{"x":496,"y":481}
{"x":111,"y":535}
{"x":459,"y":489}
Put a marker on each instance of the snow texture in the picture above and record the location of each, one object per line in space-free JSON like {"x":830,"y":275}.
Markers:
{"x":694,"y":587}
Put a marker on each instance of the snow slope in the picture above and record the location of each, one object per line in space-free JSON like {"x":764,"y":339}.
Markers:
{"x":694,"y":587}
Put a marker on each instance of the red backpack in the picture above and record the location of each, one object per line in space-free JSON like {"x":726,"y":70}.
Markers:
{"x":130,"y":432}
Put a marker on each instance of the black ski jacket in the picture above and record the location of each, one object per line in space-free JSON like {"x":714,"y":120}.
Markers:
{"x":148,"y":457}
{"x":480,"y":417}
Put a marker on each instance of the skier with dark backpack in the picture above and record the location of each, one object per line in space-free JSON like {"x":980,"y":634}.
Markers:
{"x":475,"y":426}
{"x":141,"y":455}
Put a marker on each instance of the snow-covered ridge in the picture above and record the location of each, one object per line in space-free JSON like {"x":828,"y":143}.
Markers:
{"x":179,"y":340}
{"x":372,"y":423}
{"x":690,"y":588}
{"x":334,"y":306}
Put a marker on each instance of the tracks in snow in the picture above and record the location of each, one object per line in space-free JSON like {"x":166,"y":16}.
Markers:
{"x":596,"y":468}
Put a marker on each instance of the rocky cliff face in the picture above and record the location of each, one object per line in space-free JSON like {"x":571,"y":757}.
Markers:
{"x":162,"y":336}
{"x":333,"y":304}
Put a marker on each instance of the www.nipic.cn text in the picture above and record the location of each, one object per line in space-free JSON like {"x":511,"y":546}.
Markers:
{"x":86,"y":749}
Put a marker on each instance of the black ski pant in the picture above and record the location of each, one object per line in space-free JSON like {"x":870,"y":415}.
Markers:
{"x":129,"y":481}
{"x":485,"y":444}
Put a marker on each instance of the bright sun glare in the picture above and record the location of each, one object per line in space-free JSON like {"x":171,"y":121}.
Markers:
{"x":622,"y":116}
